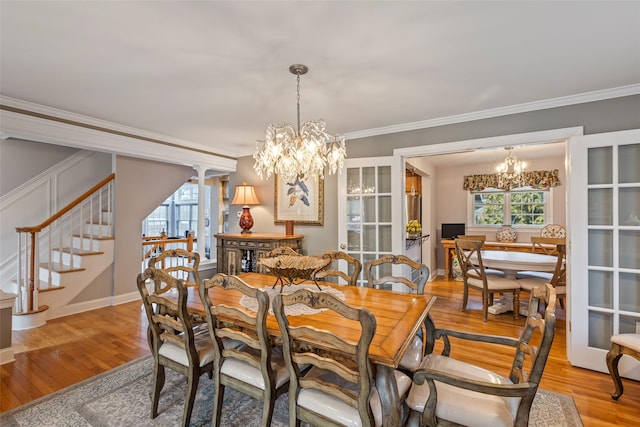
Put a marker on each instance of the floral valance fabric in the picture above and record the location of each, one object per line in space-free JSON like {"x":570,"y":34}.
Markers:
{"x":534,"y":179}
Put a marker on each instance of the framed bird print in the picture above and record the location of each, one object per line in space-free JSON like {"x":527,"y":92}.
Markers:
{"x":301,"y":201}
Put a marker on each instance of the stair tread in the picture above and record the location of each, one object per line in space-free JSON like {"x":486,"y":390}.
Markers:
{"x":60,"y":268}
{"x":78,"y":251}
{"x":86,"y":236}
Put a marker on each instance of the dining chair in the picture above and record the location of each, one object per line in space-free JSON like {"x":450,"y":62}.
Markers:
{"x":179,"y":263}
{"x":338,"y":388}
{"x":558,"y":279}
{"x":354,"y":267}
{"x":546,"y":245}
{"x":621,"y":344}
{"x":255,"y":367}
{"x":175,"y":344}
{"x":452,"y":392}
{"x":553,"y":230}
{"x":379,"y":275}
{"x":469,"y":254}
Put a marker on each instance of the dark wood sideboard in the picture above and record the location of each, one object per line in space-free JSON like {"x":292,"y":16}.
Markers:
{"x":232,"y":248}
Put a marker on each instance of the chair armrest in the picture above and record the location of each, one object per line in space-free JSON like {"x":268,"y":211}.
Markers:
{"x":469,"y":336}
{"x":506,"y":390}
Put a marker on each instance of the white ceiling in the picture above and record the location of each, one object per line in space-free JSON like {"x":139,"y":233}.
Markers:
{"x":214,"y":74}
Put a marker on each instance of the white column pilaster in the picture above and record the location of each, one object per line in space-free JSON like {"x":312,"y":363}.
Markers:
{"x":200,"y":232}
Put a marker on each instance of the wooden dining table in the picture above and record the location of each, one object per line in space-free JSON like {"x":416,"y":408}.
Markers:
{"x":511,"y":263}
{"x":398,"y":318}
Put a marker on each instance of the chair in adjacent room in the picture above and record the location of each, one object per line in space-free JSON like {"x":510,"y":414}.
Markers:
{"x":447,"y":391}
{"x":332,"y":273}
{"x":339,"y":388}
{"x":553,"y":230}
{"x":255,"y":367}
{"x":558,"y":279}
{"x":546,"y":245}
{"x":379,"y":274}
{"x":621,"y":344}
{"x":175,"y":344}
{"x":469,"y":253}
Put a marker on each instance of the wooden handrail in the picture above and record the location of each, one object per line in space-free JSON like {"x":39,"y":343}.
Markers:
{"x":76,"y":202}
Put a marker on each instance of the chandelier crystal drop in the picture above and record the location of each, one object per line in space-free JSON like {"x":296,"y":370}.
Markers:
{"x":510,"y":171}
{"x":302,"y":152}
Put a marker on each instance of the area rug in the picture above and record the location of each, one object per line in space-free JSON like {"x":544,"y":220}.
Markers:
{"x":120,"y":397}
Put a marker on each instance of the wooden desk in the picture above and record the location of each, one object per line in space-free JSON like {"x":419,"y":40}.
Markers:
{"x":398,"y":318}
{"x":450,"y":250}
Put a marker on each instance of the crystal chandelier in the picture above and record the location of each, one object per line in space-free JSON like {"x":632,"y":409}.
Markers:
{"x":510,"y":171}
{"x":299,"y":153}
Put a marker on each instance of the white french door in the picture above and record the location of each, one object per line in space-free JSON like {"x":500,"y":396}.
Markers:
{"x":604,"y":256}
{"x":366,"y":203}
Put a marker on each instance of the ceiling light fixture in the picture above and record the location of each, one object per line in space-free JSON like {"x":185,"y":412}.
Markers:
{"x":300,"y":152}
{"x":510,"y":171}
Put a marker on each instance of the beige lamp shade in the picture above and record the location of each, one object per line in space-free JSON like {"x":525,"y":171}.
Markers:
{"x":245,"y":196}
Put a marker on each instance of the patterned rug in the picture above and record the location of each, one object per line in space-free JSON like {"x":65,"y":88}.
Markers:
{"x":120,"y":397}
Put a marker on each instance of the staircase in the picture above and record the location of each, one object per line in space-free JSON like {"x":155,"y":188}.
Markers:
{"x":62,"y":256}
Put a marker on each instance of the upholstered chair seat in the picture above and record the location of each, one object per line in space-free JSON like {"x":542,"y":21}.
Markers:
{"x":251,"y":375}
{"x":204,"y":349}
{"x":336,"y":409}
{"x":461,"y":406}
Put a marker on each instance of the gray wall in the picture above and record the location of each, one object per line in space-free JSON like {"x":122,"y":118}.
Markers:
{"x":141,"y":185}
{"x":596,"y":117}
{"x":22,"y":160}
{"x":316,"y":240}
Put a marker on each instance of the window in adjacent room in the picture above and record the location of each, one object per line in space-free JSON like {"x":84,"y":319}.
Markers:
{"x":522,"y":206}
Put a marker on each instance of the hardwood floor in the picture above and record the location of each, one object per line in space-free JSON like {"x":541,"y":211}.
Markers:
{"x":71,"y":349}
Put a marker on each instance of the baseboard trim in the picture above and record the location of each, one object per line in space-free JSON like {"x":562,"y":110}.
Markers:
{"x":6,"y":355}
{"x":81,"y":307}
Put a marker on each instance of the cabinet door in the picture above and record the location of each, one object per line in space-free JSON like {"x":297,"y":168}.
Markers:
{"x":232,"y":261}
{"x":604,"y":253}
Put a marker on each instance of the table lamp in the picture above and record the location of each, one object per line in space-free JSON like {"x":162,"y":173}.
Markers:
{"x":245,"y":196}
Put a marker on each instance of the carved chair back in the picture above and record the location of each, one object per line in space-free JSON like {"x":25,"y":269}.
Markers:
{"x":383,"y":267}
{"x":354,"y":267}
{"x":179,"y":263}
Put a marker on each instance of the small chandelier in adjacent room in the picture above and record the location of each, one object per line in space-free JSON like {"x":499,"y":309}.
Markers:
{"x":300,"y":152}
{"x":510,"y":171}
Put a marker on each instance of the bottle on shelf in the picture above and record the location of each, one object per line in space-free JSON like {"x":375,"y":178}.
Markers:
{"x":243,"y":267}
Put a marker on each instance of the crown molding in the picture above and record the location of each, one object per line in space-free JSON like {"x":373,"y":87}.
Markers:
{"x":502,"y":111}
{"x":20,"y":119}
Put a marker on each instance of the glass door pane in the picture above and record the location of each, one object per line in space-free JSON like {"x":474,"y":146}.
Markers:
{"x":604,"y":246}
{"x":365,"y":226}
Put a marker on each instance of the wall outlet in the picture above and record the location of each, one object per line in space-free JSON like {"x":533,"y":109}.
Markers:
{"x":239,"y":214}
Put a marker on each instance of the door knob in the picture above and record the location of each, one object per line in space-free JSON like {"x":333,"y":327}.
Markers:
{"x":343,"y":246}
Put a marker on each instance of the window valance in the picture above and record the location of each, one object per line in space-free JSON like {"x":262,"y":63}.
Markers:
{"x":534,"y":179}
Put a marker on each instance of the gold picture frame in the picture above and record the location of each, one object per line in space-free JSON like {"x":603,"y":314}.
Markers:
{"x":301,"y":202}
